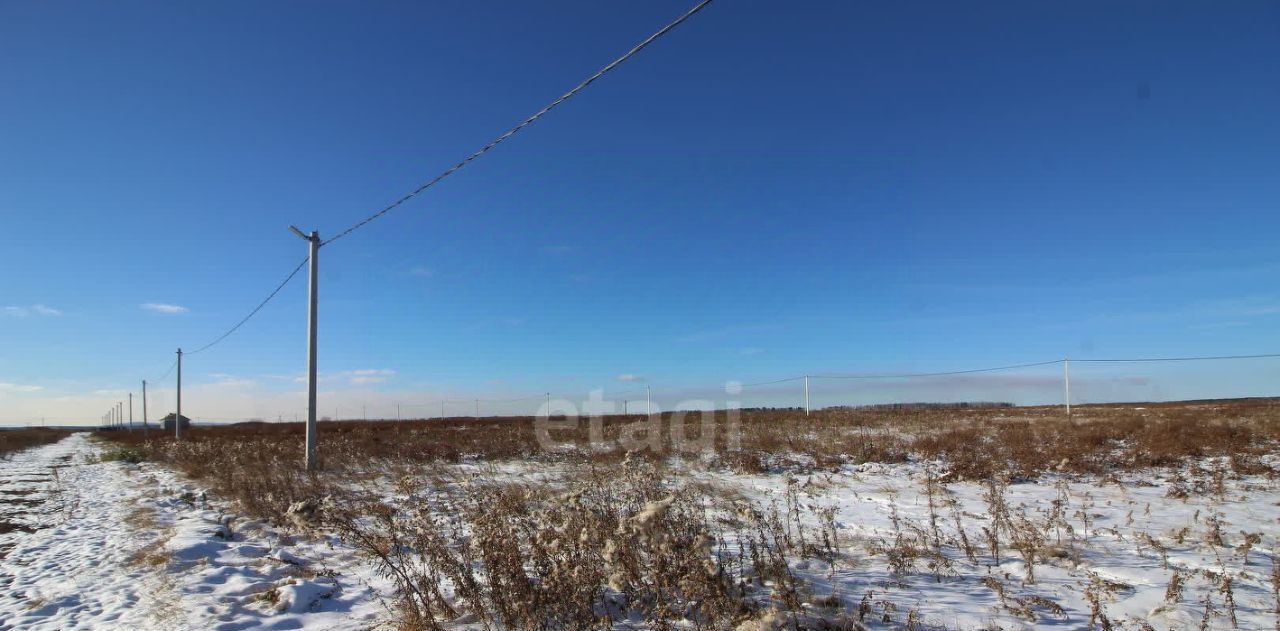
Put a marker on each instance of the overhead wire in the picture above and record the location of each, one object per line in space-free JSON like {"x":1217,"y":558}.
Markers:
{"x":937,"y":374}
{"x":465,"y":161}
{"x":525,"y":123}
{"x":1180,"y":359}
{"x":255,"y":309}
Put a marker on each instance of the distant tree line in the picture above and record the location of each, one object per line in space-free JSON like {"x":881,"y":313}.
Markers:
{"x":958,"y":405}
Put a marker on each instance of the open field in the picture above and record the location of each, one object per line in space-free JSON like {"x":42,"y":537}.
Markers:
{"x":12,"y":440}
{"x":1125,"y":516}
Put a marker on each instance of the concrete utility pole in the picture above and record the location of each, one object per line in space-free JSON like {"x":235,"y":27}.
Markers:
{"x":624,"y":407}
{"x":477,"y":408}
{"x":442,"y":408}
{"x":806,"y":395}
{"x":120,"y":414}
{"x":131,"y":411}
{"x":312,"y":317}
{"x":648,"y":409}
{"x":144,"y":407}
{"x":1066,"y":383}
{"x":177,"y":417}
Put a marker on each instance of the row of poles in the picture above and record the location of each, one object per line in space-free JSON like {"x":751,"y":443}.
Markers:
{"x":115,"y":417}
{"x":1066,"y":388}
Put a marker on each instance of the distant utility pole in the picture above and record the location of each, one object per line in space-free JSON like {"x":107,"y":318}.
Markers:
{"x":624,"y":407}
{"x":397,"y":412}
{"x":442,"y":408}
{"x":120,"y":414}
{"x":312,"y":315}
{"x":131,"y":411}
{"x":806,"y":395}
{"x":477,"y":408}
{"x":648,"y":409}
{"x":177,"y":417}
{"x":364,"y":412}
{"x":144,"y":407}
{"x":1066,"y":384}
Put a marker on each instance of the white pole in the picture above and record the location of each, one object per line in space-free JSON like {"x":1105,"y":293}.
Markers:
{"x":131,"y":411}
{"x":441,"y":408}
{"x":144,"y":407}
{"x":624,"y":407}
{"x":313,"y":312}
{"x":1066,"y":384}
{"x":397,"y":412}
{"x":177,"y":418}
{"x":648,"y":409}
{"x":806,"y":395}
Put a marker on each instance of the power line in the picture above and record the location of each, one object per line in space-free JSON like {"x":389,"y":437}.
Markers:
{"x":526,"y":122}
{"x":251,"y":313}
{"x":937,"y":374}
{"x":167,"y":372}
{"x":769,"y":383}
{"x":1181,"y":359}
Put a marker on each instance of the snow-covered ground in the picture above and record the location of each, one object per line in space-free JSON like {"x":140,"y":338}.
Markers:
{"x":109,"y":545}
{"x":124,"y":546}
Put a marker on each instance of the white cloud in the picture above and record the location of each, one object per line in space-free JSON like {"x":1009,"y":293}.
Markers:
{"x":361,"y":377}
{"x":22,"y":312}
{"x":630,"y":377}
{"x":160,"y":307}
{"x":368,"y":376}
{"x":17,"y":387}
{"x":370,"y":371}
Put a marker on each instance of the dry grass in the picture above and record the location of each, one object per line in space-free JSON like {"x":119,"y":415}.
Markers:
{"x":259,"y":464}
{"x":12,"y":440}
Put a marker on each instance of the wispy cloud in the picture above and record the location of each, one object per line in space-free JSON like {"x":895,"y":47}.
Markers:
{"x":422,"y":271}
{"x":728,"y":332}
{"x":749,"y":351}
{"x":368,"y":376}
{"x":630,"y":377}
{"x":161,"y":307}
{"x":361,"y":377}
{"x":39,"y":310}
{"x":231,"y":381}
{"x":17,"y":387}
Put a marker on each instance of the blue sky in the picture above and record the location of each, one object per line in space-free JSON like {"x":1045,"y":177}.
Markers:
{"x":773,"y":189}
